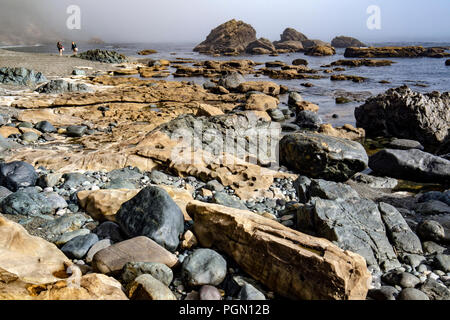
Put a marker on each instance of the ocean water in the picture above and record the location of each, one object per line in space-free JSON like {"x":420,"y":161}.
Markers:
{"x":420,"y":74}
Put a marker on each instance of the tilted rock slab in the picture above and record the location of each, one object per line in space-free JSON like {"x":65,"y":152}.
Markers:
{"x":294,"y":265}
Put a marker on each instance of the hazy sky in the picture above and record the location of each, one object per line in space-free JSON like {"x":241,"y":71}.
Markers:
{"x":192,"y":20}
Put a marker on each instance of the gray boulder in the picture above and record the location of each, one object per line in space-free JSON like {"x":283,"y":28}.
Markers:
{"x":345,"y":42}
{"x":79,"y":246}
{"x":307,"y":119}
{"x":21,"y":76}
{"x":159,"y":271}
{"x":406,"y":114}
{"x":410,"y":164}
{"x":232,"y":81}
{"x":28,"y":203}
{"x":17,"y":174}
{"x":321,"y":156}
{"x":353,"y":224}
{"x":152,"y":213}
{"x":204,"y":267}
{"x":62,"y":86}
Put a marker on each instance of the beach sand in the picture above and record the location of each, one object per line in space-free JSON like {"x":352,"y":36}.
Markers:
{"x":51,"y":65}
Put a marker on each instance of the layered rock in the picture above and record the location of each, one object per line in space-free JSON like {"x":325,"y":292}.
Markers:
{"x":403,"y":113}
{"x":232,"y":37}
{"x":345,"y":42}
{"x":289,"y":46}
{"x":320,"y":51}
{"x":292,"y":264}
{"x":260,"y":46}
{"x":395,"y":52}
{"x":362,"y":62}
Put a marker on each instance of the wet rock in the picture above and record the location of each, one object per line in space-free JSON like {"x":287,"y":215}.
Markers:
{"x":21,"y":76}
{"x":246,"y":237}
{"x":103,"y":56}
{"x":308,"y":120}
{"x":406,"y":114}
{"x":300,"y":62}
{"x":232,"y":81}
{"x":410,"y":164}
{"x":288,"y":46}
{"x":111,"y":260}
{"x":321,"y":156}
{"x":159,"y":271}
{"x":79,"y":246}
{"x":353,"y":224}
{"x":231,"y":37}
{"x":204,"y":267}
{"x":412,"y":294}
{"x":435,"y":195}
{"x":374,"y":181}
{"x":62,"y":86}
{"x":17,"y":174}
{"x":146,"y":287}
{"x":154,"y":214}
{"x":345,"y":42}
{"x":362,"y":62}
{"x":276,"y":115}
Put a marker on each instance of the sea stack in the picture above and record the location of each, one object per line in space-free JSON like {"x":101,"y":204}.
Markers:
{"x":230,"y":38}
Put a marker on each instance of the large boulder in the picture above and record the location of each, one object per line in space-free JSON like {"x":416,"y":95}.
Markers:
{"x":412,"y":164}
{"x":17,"y":174}
{"x":154,"y":214}
{"x":232,"y":37}
{"x":260,"y":46}
{"x":290,"y":34}
{"x":319,"y":51}
{"x":403,"y":113}
{"x":293,"y":264}
{"x":21,"y":76}
{"x":353,"y":224}
{"x":289,"y":46}
{"x":204,"y":267}
{"x":345,"y":42}
{"x":321,"y":156}
{"x":311,"y":43}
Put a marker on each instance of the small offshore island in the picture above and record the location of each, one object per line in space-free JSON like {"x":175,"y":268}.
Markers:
{"x":117,"y":183}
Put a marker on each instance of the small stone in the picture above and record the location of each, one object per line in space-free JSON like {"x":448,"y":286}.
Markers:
{"x":430,"y":230}
{"x":189,"y":240}
{"x":102,"y":244}
{"x":249,"y":292}
{"x":412,"y":294}
{"x":442,"y":262}
{"x":203,"y":267}
{"x":146,"y":287}
{"x":79,"y":246}
{"x":159,"y":271}
{"x":209,"y":293}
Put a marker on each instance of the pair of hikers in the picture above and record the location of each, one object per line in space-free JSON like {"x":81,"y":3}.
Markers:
{"x":61,"y":48}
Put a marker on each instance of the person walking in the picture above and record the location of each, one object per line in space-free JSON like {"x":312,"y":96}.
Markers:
{"x":74,"y":48}
{"x":60,"y":48}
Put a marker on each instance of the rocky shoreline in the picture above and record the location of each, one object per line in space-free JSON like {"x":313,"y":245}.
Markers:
{"x":117,"y":187}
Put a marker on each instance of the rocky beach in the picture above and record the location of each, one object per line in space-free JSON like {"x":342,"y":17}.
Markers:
{"x":151,"y":177}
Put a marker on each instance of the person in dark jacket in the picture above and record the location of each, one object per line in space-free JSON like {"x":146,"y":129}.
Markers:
{"x":60,"y":48}
{"x":74,"y":48}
